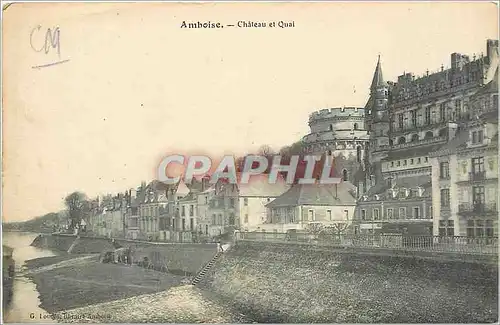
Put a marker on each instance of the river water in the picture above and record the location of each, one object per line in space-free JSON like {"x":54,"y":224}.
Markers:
{"x":25,"y":302}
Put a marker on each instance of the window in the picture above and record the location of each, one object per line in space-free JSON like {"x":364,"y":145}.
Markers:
{"x":416,"y":213}
{"x":392,"y":163}
{"x":245,"y":201}
{"x":191,"y":224}
{"x":495,"y":101}
{"x":344,"y":175}
{"x":414,"y":118}
{"x":183,"y":224}
{"x":214,"y":219}
{"x":363,"y":214}
{"x":390,"y":213}
{"x":428,"y":135}
{"x":206,"y":199}
{"x":246,"y":218}
{"x":191,"y":210}
{"x":405,"y":162}
{"x":400,"y":121}
{"x":445,"y":198}
{"x":426,"y":159}
{"x":477,"y":137}
{"x":183,"y":211}
{"x":427,"y":115}
{"x":376,"y":214}
{"x":310,"y":215}
{"x":446,"y":228}
{"x":411,"y":161}
{"x":231,"y":202}
{"x":414,"y":138}
{"x":329,"y":214}
{"x":346,"y":214}
{"x":398,"y":163}
{"x":442,"y":112}
{"x":480,"y":228}
{"x":401,"y":140}
{"x":478,"y":195}
{"x":402,"y":213}
{"x":355,"y":126}
{"x":444,"y":170}
{"x":419,"y":160}
{"x":477,"y":165}
{"x":458,"y":105}
{"x":330,"y":128}
{"x":358,"y":154}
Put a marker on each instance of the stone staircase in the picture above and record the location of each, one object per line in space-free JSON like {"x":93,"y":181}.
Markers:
{"x":206,"y":268}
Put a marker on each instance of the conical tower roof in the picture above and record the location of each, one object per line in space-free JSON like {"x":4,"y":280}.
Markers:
{"x":378,"y":78}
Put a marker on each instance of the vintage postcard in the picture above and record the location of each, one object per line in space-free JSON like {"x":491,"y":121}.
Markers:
{"x":319,"y":162}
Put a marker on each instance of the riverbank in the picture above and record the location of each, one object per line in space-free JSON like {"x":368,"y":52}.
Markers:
{"x":73,"y":281}
{"x":80,"y":289}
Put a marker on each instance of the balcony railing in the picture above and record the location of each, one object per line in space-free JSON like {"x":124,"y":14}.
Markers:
{"x":471,"y":208}
{"x":477,"y":176}
{"x":445,"y":244}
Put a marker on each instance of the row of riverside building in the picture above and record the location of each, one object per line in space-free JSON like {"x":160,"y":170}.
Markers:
{"x":420,"y":158}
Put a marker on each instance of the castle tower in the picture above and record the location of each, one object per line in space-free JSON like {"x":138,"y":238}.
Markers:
{"x":378,"y":125}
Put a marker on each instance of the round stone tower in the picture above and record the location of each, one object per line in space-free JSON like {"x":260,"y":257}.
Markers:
{"x":340,"y":133}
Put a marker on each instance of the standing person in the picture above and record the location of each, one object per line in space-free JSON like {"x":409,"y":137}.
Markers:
{"x":219,"y":246}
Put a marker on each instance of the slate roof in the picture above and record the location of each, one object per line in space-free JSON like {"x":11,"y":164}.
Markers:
{"x":462,"y":137}
{"x":316,"y":194}
{"x":412,"y":183}
{"x":378,"y":78}
{"x":490,"y":87}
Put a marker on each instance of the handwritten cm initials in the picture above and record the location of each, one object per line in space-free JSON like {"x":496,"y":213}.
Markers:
{"x":51,"y":40}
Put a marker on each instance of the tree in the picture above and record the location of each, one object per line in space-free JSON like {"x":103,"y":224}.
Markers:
{"x":78,"y":207}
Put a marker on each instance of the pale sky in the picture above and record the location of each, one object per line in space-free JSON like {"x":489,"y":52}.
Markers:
{"x":137,"y":87}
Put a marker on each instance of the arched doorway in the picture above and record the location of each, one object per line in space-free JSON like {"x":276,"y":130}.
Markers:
{"x":401,"y":140}
{"x":414,"y":138}
{"x":429,"y":135}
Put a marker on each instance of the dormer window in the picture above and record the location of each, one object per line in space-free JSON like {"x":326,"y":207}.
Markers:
{"x":420,"y":191}
{"x":477,"y":137}
{"x":377,"y":197}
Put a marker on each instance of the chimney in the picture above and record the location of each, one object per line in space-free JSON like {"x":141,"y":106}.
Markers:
{"x":204,"y":183}
{"x":491,"y":48}
{"x":452,"y":130}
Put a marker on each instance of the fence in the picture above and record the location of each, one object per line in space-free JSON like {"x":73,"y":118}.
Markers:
{"x":450,"y":244}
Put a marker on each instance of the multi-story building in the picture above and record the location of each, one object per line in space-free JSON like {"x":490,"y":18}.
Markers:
{"x":465,"y":173}
{"x":406,"y":121}
{"x":225,"y":207}
{"x":339,"y":133}
{"x":328,"y":205}
{"x":204,"y":216}
{"x":253,"y":198}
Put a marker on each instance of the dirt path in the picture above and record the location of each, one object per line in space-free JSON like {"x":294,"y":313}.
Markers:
{"x":183,"y":304}
{"x":109,"y":284}
{"x":71,"y":262}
